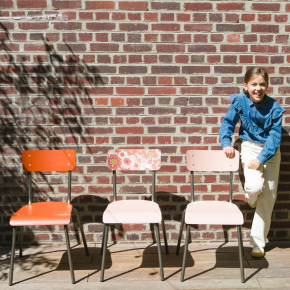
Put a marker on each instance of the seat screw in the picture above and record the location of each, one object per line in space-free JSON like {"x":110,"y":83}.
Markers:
{"x":192,"y":164}
{"x":69,"y":155}
{"x":28,"y":155}
{"x":68,"y":164}
{"x":29,"y":164}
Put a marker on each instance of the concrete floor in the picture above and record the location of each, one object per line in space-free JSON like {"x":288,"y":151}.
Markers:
{"x":135,"y":266}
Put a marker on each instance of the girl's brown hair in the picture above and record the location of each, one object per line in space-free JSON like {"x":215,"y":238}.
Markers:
{"x":254,"y":71}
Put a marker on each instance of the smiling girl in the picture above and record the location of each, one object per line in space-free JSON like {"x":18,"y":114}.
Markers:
{"x":260,"y":132}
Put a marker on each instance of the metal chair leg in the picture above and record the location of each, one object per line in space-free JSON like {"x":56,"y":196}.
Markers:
{"x":104,"y":252}
{"x":185,"y":252}
{"x":21,"y":241}
{"x":104,"y":228}
{"x":82,"y":231}
{"x":164,"y":235}
{"x":12,"y":256}
{"x":69,"y":255}
{"x":239,"y":228}
{"x":180,"y":233}
{"x":159,"y":252}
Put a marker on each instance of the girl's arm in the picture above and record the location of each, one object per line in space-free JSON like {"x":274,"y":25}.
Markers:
{"x":228,"y":127}
{"x":273,"y":141}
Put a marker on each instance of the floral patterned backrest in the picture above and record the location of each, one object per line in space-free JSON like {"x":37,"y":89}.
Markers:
{"x":134,"y":159}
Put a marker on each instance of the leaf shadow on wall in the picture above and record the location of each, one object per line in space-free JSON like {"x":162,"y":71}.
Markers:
{"x":40,"y":109}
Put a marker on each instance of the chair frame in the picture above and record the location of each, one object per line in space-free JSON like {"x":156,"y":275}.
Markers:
{"x":65,"y":231}
{"x":106,"y":226}
{"x":239,"y":230}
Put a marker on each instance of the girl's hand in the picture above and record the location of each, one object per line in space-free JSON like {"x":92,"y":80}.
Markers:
{"x":229,"y":151}
{"x":254,"y":164}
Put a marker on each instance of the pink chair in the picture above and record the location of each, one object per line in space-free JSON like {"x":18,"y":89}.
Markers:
{"x":133,"y":211}
{"x":211,"y":212}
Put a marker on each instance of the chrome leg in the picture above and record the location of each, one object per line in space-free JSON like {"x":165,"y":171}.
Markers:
{"x":12,"y":256}
{"x":159,"y":252}
{"x":69,"y":255}
{"x":185,"y":252}
{"x":104,"y":248}
{"x":82,"y":231}
{"x":241,"y":250}
{"x":21,"y":241}
{"x":180,"y":233}
{"x":164,"y":235}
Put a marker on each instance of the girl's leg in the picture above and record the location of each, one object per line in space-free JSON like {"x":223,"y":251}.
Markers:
{"x":254,"y":180}
{"x":265,"y":202}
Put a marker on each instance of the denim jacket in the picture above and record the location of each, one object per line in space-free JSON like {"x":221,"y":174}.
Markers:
{"x":260,"y":123}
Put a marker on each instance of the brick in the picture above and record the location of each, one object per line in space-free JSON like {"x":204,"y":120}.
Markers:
{"x":137,"y":47}
{"x":264,"y":17}
{"x":166,"y":27}
{"x":67,"y":4}
{"x":183,"y":17}
{"x":133,"y":69}
{"x":6,"y":4}
{"x":198,"y":6}
{"x":104,"y":5}
{"x":104,"y":47}
{"x":260,"y":28}
{"x":201,"y":48}
{"x":233,"y":48}
{"x":266,"y":6}
{"x":280,"y":18}
{"x":130,"y":90}
{"x":230,"y":6}
{"x":195,"y":69}
{"x":133,"y":26}
{"x":228,"y":69}
{"x":248,"y":17}
{"x":133,"y":5}
{"x":230,"y":27}
{"x":165,"y":6}
{"x":25,"y":4}
{"x":193,"y":90}
{"x":165,"y":70}
{"x":100,"y":26}
{"x":102,"y":16}
{"x":198,"y":27}
{"x":264,"y":48}
{"x":162,"y":91}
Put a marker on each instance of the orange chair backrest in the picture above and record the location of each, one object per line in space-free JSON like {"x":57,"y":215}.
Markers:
{"x":134,"y":159}
{"x":49,"y":160}
{"x":211,"y":160}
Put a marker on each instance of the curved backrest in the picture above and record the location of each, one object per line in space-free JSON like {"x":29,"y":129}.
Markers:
{"x":211,"y":160}
{"x":49,"y":160}
{"x":134,"y":159}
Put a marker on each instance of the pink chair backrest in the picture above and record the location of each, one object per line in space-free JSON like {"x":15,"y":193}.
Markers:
{"x":134,"y":159}
{"x":211,"y":160}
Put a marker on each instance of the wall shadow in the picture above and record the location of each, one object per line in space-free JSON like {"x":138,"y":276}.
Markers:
{"x":41,"y":101}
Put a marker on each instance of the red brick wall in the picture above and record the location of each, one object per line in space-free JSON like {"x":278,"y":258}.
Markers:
{"x":96,"y":75}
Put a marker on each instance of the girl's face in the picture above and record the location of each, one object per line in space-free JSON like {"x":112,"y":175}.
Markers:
{"x":256,"y":88}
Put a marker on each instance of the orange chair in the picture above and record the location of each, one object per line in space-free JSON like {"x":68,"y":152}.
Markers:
{"x":46,"y":213}
{"x":133,"y":211}
{"x":211,"y":212}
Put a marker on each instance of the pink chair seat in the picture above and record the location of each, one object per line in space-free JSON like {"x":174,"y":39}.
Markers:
{"x":132,"y":211}
{"x":42,"y":213}
{"x":214,"y":213}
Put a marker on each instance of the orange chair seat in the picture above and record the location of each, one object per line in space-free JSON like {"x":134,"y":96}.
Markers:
{"x":132,"y":212}
{"x":213,"y":213}
{"x":42,"y":213}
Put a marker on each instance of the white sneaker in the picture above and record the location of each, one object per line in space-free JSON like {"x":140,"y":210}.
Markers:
{"x":258,"y":252}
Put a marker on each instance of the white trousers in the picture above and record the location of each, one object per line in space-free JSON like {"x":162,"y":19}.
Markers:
{"x":260,"y":189}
